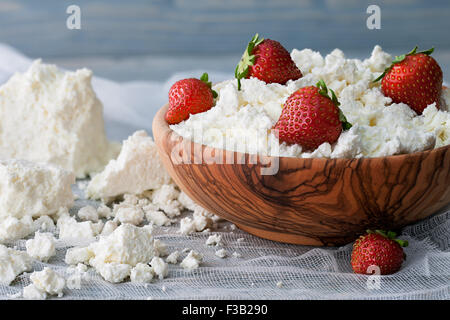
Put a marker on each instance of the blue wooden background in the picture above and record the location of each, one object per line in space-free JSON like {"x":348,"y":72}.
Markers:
{"x":204,"y":29}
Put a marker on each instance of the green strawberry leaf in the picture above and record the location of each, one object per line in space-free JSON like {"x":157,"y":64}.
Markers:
{"x":402,"y":243}
{"x":323,"y":90}
{"x":345,"y":124}
{"x":402,"y":57}
{"x":382,"y":232}
{"x":247,"y":60}
{"x":204,"y":78}
{"x":390,"y":235}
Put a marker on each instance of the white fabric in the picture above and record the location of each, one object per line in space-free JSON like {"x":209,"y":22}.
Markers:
{"x":305,"y":272}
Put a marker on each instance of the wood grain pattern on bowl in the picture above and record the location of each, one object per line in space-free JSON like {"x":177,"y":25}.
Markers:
{"x":324,"y":202}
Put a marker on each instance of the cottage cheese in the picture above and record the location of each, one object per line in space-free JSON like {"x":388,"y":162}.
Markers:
{"x":73,"y":231}
{"x":242,"y":120}
{"x":30,"y":292}
{"x":137,"y":168}
{"x":104,"y":212}
{"x":173,"y":257}
{"x":221,"y":253}
{"x":88,"y":213}
{"x":157,"y":217}
{"x":186,"y":201}
{"x":12,"y":228}
{"x":114,"y":272}
{"x":192,"y":260}
{"x":127,"y":244}
{"x":59,"y":116}
{"x":44,"y":223}
{"x":12,"y":263}
{"x":141,"y":273}
{"x":48,"y":281}
{"x":42,"y":247}
{"x":33,"y":189}
{"x":77,"y":255}
{"x":115,"y":255}
{"x":130,"y":214}
{"x":160,"y":267}
{"x":109,"y":228}
{"x":214,"y":240}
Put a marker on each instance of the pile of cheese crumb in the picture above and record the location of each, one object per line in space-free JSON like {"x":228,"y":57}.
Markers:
{"x":114,"y":235}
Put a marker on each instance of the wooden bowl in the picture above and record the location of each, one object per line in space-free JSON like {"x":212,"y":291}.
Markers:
{"x":322,"y":202}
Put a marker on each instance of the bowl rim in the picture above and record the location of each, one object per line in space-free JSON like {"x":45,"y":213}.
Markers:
{"x":159,"y":122}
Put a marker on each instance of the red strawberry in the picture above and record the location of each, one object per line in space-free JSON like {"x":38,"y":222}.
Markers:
{"x":189,"y":96}
{"x":310,"y":117}
{"x":414,"y":79}
{"x":268,"y":61}
{"x":379,"y":249}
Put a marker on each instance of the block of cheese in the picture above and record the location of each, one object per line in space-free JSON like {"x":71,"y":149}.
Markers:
{"x":137,"y":169}
{"x":33,"y":189}
{"x":48,"y":115}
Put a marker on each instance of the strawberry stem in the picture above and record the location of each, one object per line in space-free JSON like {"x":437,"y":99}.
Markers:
{"x":323,"y":90}
{"x":247,"y":60}
{"x":204,"y":78}
{"x":402,"y":57}
{"x":390,"y":235}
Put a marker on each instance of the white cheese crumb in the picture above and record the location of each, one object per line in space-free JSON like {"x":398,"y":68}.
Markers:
{"x":280,"y":284}
{"x":42,"y":247}
{"x":105,"y":212}
{"x":72,"y":230}
{"x":129,"y":214}
{"x":214,"y":240}
{"x":78,"y":255}
{"x":48,"y":281}
{"x":113,"y":272}
{"x":44,"y":223}
{"x":137,"y":168}
{"x":186,"y":202}
{"x":128,"y":244}
{"x":160,"y":247}
{"x":173,"y":257}
{"x":142,"y":273}
{"x":88,"y":213}
{"x":160,"y":267}
{"x":237,"y":254}
{"x":48,"y":188}
{"x":165,"y":194}
{"x":221,"y":253}
{"x":12,"y":263}
{"x":192,"y":260}
{"x":12,"y":228}
{"x":109,"y":228}
{"x":157,"y":217}
{"x":30,"y":292}
{"x":199,"y":222}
